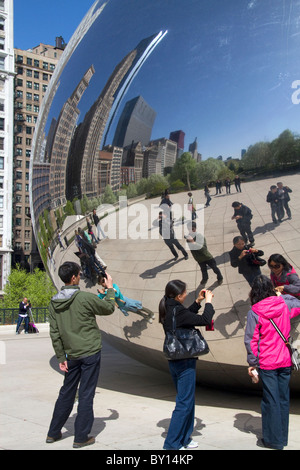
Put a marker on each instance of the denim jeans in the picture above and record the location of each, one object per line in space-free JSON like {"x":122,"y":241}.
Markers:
{"x":26,"y":321}
{"x":86,"y":372}
{"x":183,"y":373}
{"x":275,"y":406}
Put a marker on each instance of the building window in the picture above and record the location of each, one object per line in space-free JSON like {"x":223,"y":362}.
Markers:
{"x":2,"y":63}
{"x":29,"y":61}
{"x":2,"y":124}
{"x":28,"y":84}
{"x":1,"y":143}
{"x":1,"y":163}
{"x":1,"y":202}
{"x":28,"y":73}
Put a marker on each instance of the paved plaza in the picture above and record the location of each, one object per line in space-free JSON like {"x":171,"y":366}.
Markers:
{"x":134,"y":402}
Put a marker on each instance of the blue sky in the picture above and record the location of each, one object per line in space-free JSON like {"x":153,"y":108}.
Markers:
{"x":223,"y":73}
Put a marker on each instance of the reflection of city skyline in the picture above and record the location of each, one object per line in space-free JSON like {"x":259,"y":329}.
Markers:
{"x":73,"y":150}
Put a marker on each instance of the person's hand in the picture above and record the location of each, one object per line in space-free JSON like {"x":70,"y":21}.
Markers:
{"x":250,"y":369}
{"x":244,"y":253}
{"x":208,"y":296}
{"x":279,"y":289}
{"x":109,"y":281}
{"x":64,"y":366}
{"x":201,"y":296}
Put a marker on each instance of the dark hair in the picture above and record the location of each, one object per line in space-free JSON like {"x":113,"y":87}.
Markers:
{"x":273,"y":186}
{"x":236,"y":204}
{"x":172,"y":289}
{"x":262,"y":288}
{"x":279,"y":259}
{"x":100,"y":278}
{"x":237,"y":239}
{"x":192,"y":224}
{"x":68,"y":270}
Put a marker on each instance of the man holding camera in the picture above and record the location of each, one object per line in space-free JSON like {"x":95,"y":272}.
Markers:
{"x":23,"y":315}
{"x":243,"y":215}
{"x":246,"y":259}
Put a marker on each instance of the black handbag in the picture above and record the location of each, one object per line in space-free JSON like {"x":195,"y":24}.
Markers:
{"x":183,"y":343}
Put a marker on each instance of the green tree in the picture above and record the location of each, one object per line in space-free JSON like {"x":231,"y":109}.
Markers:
{"x":108,"y":196}
{"x":185,"y":170}
{"x":36,"y":286}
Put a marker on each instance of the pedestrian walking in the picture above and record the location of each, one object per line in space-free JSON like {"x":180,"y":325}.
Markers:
{"x":237,"y":182}
{"x":243,"y":215}
{"x":76,"y":340}
{"x":268,"y":353}
{"x":23,"y":315}
{"x":198,"y":247}
{"x":207,"y":195}
{"x":284,"y":198}
{"x":98,"y":226}
{"x":166,"y":230}
{"x":273,"y":200}
{"x":183,"y":371}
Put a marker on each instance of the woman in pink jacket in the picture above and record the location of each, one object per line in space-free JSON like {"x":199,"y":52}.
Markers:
{"x":267,"y":352}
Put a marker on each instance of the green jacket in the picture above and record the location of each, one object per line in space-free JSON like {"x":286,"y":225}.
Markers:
{"x":73,"y":327}
{"x":199,"y":248}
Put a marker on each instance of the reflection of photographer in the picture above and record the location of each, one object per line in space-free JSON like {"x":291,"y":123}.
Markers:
{"x":24,"y":306}
{"x":246,"y":259}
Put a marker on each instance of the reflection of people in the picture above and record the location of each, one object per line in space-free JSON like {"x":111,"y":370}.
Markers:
{"x":191,"y":206}
{"x":90,"y":230}
{"x":273,"y":200}
{"x":218,"y":187}
{"x":227,"y":185}
{"x":207,"y":195}
{"x":125,"y":304}
{"x":269,"y":353}
{"x":284,"y":197}
{"x":60,"y":240}
{"x":23,"y":315}
{"x":183,"y":372}
{"x":244,"y":258}
{"x":283,"y":275}
{"x":243,"y":215}
{"x":98,"y":226}
{"x":166,"y":231}
{"x":76,"y":340}
{"x":198,"y":247}
{"x":237,"y":182}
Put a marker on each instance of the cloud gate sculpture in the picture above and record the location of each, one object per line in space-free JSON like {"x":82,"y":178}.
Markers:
{"x":139,"y":83}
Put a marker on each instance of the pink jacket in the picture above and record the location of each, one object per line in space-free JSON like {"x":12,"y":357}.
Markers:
{"x":265,"y":348}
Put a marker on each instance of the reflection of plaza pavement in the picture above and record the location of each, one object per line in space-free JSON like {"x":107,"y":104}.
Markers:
{"x":142,"y":268}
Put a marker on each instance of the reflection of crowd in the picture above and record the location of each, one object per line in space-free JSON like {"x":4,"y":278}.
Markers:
{"x":275,"y":299}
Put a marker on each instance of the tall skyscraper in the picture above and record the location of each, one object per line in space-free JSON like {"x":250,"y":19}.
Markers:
{"x":178,"y":137}
{"x":34,"y":69}
{"x":135,"y":123}
{"x":6,"y":137}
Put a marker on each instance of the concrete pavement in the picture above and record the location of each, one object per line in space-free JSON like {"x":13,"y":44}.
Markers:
{"x":133,"y":404}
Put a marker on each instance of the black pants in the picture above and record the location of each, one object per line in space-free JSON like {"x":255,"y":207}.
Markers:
{"x":83,"y":372}
{"x":213,"y":265}
{"x":174,"y":242}
{"x":246,"y":232}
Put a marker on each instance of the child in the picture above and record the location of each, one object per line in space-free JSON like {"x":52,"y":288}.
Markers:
{"x":124,"y":303}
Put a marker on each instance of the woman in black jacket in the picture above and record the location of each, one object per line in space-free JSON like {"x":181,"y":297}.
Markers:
{"x":183,"y":371}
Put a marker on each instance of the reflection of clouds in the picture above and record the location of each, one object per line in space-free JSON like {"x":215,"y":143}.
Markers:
{"x":252,"y":4}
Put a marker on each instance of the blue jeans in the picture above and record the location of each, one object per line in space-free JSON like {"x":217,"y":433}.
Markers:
{"x":275,"y":406}
{"x":86,"y":372}
{"x":183,"y":373}
{"x":26,"y":321}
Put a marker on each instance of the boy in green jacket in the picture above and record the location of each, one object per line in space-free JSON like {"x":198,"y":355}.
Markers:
{"x":76,"y":340}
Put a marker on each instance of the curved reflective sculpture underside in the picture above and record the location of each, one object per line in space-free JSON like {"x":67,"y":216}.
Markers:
{"x":138,"y":84}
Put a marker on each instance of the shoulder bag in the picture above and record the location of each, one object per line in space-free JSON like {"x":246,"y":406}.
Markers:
{"x":183,"y":343}
{"x":295,"y":356}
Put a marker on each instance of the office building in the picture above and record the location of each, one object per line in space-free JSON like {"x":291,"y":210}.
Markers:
{"x":135,"y":123}
{"x":6,"y":137}
{"x":33,"y":68}
{"x":178,"y":137}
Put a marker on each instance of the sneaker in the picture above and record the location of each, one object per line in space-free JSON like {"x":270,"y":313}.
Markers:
{"x":186,"y":257}
{"x":89,"y":442}
{"x":191,"y":445}
{"x":50,"y":440}
{"x":220,"y":281}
